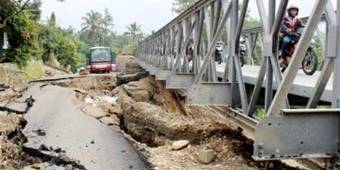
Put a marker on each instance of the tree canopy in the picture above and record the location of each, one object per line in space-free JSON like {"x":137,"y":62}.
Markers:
{"x":134,"y":31}
{"x":97,"y":28}
{"x":179,"y":6}
{"x":29,"y":38}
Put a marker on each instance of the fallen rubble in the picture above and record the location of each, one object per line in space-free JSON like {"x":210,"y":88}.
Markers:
{"x":154,"y":118}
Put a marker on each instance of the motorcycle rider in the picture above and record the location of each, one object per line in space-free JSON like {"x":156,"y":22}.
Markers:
{"x":190,"y":50}
{"x":242,"y":50}
{"x":290,"y":32}
{"x":219,"y":52}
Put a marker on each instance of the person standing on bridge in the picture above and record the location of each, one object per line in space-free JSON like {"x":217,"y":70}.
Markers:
{"x":290,"y":32}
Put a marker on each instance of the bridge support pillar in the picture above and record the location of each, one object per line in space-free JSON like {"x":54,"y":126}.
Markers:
{"x":152,"y":70}
{"x":208,"y":93}
{"x":163,"y":74}
{"x":179,"y":81}
{"x":298,"y":134}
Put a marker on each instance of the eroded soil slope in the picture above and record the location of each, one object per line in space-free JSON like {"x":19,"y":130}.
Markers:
{"x":155,"y":120}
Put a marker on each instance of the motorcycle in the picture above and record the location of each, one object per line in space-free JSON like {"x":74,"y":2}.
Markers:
{"x":309,"y":63}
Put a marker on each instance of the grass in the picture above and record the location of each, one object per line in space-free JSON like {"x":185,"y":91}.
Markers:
{"x":34,"y":70}
{"x":260,"y":112}
{"x":12,"y":75}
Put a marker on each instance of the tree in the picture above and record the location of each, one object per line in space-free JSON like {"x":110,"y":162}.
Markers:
{"x":9,"y":9}
{"x":97,"y":29}
{"x":134,"y":31}
{"x":91,"y":27}
{"x":30,"y":40}
{"x":23,"y":39}
{"x":12,"y":8}
{"x":34,"y":8}
{"x":179,"y":6}
{"x":128,"y":41}
{"x":59,"y":45}
{"x":108,"y":25}
{"x":53,"y":20}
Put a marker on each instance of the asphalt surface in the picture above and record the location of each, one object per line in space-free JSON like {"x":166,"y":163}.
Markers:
{"x":95,"y":145}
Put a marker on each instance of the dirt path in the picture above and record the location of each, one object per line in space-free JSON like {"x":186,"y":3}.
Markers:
{"x":65,"y":126}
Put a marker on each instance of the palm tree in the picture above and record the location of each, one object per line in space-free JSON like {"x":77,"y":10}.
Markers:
{"x":92,"y":22}
{"x":135,"y":31}
{"x":97,"y":28}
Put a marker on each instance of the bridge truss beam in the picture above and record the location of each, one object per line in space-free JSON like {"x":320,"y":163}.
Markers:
{"x":283,"y":133}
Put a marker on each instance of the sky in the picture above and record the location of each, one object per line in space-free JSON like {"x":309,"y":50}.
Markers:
{"x":150,"y":14}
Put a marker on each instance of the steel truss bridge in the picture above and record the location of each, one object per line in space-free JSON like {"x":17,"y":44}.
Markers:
{"x":287,"y":132}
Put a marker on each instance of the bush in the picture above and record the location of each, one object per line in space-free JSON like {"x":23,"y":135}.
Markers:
{"x":64,"y":47}
{"x":23,"y":33}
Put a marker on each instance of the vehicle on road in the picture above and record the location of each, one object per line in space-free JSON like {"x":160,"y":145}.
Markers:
{"x":100,"y":60}
{"x":291,"y":30}
{"x":309,"y":63}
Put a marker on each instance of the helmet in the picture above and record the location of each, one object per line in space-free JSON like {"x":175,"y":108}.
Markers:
{"x":293,"y":7}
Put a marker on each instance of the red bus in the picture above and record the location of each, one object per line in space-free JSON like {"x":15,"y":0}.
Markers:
{"x":100,"y":60}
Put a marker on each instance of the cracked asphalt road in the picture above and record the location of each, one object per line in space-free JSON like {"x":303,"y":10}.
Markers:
{"x":84,"y":138}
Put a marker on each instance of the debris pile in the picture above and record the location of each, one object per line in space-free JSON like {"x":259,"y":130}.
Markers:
{"x":168,"y":133}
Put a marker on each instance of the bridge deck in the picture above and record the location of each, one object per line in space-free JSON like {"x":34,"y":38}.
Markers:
{"x":303,"y":85}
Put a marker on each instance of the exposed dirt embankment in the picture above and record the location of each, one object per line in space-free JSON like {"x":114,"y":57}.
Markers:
{"x":11,"y":74}
{"x":149,"y":108}
{"x":99,"y":84}
{"x":157,"y":117}
{"x":169,"y":134}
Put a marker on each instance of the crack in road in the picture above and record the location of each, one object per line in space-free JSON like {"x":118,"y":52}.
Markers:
{"x":95,"y":145}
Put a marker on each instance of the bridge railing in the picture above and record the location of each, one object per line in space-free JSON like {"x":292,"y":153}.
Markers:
{"x":284,"y":132}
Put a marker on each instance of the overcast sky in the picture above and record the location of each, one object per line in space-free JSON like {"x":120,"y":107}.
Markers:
{"x":151,"y":14}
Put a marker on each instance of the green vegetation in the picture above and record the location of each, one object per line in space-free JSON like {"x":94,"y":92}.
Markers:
{"x":179,"y":6}
{"x":260,"y":112}
{"x":97,"y":30}
{"x":29,"y":39}
{"x":34,"y":70}
{"x":319,"y":38}
{"x":23,"y":36}
{"x":12,"y":74}
{"x":59,"y":45}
